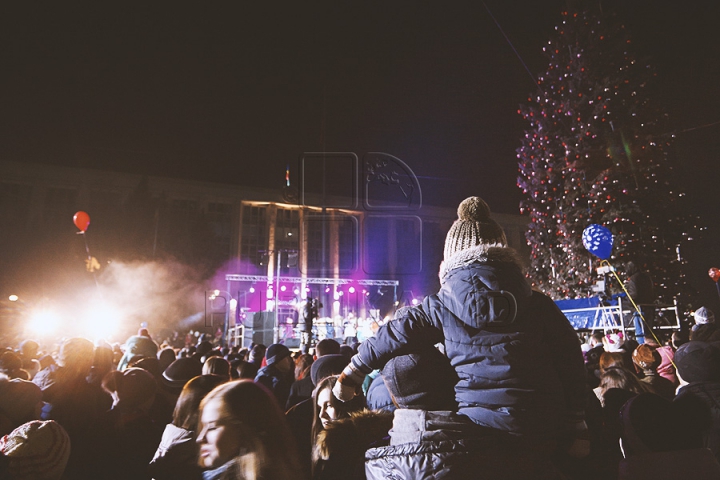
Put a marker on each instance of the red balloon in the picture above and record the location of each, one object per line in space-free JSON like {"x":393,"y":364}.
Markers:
{"x":81,"y":220}
{"x":714,"y":274}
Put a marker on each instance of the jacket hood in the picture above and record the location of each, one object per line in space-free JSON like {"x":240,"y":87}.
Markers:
{"x":350,"y":437}
{"x":484,"y":286}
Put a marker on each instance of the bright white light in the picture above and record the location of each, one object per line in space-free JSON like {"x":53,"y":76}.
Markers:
{"x":101,"y":320}
{"x":269,"y":305}
{"x":233,"y":304}
{"x":252,"y":290}
{"x":216,"y":292}
{"x":304,"y":295}
{"x":296,"y":291}
{"x":13,"y":298}
{"x":414,"y":301}
{"x":336,"y":307}
{"x":283,"y":288}
{"x":270,"y":293}
{"x":336,"y":295}
{"x":351,"y":290}
{"x":44,"y":322}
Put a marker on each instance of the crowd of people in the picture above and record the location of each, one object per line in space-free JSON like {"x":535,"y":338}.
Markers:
{"x":485,"y":379}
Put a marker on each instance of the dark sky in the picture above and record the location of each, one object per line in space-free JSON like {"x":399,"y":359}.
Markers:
{"x":234,"y":91}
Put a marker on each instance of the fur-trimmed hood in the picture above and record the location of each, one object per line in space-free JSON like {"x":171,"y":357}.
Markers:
{"x":349,"y":437}
{"x":339,"y":450}
{"x":481,"y":254}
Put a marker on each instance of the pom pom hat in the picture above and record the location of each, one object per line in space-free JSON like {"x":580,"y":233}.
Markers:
{"x":472,"y":228}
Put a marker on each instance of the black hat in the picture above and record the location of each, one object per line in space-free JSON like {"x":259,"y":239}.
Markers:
{"x":179,"y":372}
{"x":326,"y":366}
{"x":423,"y":381}
{"x":276,"y":352}
{"x":698,"y":361}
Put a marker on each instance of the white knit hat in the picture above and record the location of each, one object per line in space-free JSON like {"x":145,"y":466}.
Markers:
{"x":472,"y":228}
{"x":703,"y":315}
{"x":613,"y":342}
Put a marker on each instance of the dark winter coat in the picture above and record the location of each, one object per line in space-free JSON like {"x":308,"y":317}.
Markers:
{"x":519,"y":373}
{"x":448,"y":446}
{"x":300,"y":390}
{"x":277,"y":382}
{"x":709,"y":394}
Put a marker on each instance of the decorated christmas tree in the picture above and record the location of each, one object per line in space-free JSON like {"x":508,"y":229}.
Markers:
{"x":597,"y":152}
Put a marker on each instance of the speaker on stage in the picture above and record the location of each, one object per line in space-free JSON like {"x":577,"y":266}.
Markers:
{"x":260,"y":329}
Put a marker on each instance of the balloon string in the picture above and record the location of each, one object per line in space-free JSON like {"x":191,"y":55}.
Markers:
{"x":87,"y":250}
{"x":637,"y":309}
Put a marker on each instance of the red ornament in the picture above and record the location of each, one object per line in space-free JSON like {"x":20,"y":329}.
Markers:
{"x":81,"y":220}
{"x":714,"y":274}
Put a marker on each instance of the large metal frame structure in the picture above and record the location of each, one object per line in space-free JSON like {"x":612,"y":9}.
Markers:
{"x":233,"y":335}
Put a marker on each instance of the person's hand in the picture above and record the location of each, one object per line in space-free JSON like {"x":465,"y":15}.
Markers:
{"x":348,"y":383}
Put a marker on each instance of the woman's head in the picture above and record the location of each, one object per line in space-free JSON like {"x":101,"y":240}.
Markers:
{"x":216,"y":366}
{"x":611,"y":360}
{"x":302,"y":366}
{"x":328,"y":408}
{"x":621,"y":378}
{"x":187,"y":407}
{"x":241,"y":420}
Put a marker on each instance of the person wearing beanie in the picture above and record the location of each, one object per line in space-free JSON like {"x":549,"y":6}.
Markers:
{"x":663,"y":439}
{"x":703,"y":315}
{"x":698,"y":370}
{"x":492,"y":325}
{"x":74,"y":403}
{"x":137,"y":346}
{"x":704,"y":329}
{"x":278,"y":375}
{"x":37,"y":450}
{"x":20,"y":402}
{"x":425,"y":425}
{"x":128,"y":435}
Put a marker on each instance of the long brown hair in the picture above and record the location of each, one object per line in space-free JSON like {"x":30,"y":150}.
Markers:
{"x":268,"y":449}
{"x":187,"y":408}
{"x":618,"y":377}
{"x":343,"y":409}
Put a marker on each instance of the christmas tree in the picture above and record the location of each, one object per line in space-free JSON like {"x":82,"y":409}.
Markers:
{"x":597,"y":152}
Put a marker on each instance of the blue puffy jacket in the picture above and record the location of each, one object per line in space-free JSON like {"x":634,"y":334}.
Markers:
{"x":518,"y":360}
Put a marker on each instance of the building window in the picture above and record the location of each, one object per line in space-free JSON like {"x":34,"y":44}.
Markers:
{"x":254,"y":238}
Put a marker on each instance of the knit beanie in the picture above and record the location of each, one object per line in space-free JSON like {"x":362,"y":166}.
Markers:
{"x":614,"y":342}
{"x":472,"y":228}
{"x":421,"y":381}
{"x":18,"y":399}
{"x":36,"y":451}
{"x":276,"y":352}
{"x":326,"y":366}
{"x":703,"y":315}
{"x":698,"y":361}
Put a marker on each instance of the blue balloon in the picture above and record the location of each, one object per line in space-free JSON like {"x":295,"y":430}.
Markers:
{"x":598,"y":240}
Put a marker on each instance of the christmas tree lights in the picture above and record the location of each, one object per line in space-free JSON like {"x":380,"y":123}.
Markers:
{"x":596,"y":152}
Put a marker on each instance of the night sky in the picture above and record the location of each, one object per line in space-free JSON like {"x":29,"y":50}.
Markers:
{"x":235,"y":91}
